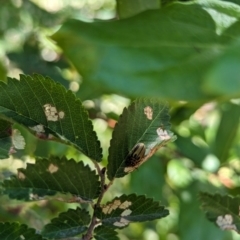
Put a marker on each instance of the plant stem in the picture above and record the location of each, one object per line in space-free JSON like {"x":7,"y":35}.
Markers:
{"x":88,"y":235}
{"x":104,"y":188}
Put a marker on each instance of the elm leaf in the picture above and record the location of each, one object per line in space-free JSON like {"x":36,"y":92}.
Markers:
{"x":5,"y":138}
{"x":125,"y":209}
{"x":222,"y":210}
{"x":141,"y":130}
{"x":45,"y":107}
{"x":105,"y":233}
{"x":173,"y":50}
{"x":15,"y":231}
{"x":67,"y":224}
{"x":127,"y":8}
{"x":47,"y":177}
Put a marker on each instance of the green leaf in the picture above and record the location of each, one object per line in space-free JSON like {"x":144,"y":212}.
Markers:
{"x":132,"y":208}
{"x":47,"y":177}
{"x":5,"y":138}
{"x":222,"y":7}
{"x":48,"y":109}
{"x":222,"y":78}
{"x":3,"y":72}
{"x":192,"y":219}
{"x":142,"y":129}
{"x":67,"y":224}
{"x":222,"y":210}
{"x":154,"y":171}
{"x":127,"y":8}
{"x":223,"y":13}
{"x":15,"y":231}
{"x":226,"y":131}
{"x":233,"y":1}
{"x":105,"y":233}
{"x":187,"y":148}
{"x":171,"y":48}
{"x":29,"y":59}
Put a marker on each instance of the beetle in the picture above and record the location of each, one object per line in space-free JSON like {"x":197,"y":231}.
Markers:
{"x":136,"y":155}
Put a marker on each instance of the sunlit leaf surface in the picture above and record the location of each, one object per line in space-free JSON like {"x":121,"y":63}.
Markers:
{"x":156,"y":52}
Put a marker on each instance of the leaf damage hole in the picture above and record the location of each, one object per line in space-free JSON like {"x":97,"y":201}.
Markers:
{"x":226,"y":222}
{"x":148,"y":111}
{"x":52,"y":114}
{"x":52,"y":168}
{"x":21,"y":176}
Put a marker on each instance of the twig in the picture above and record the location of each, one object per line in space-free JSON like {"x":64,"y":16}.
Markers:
{"x":104,"y":188}
{"x":88,"y":235}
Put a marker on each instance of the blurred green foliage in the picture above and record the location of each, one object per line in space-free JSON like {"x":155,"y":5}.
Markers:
{"x":97,"y":62}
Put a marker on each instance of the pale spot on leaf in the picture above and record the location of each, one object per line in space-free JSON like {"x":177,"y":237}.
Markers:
{"x":21,"y":176}
{"x":129,"y":169}
{"x":125,"y":205}
{"x":22,"y":237}
{"x":38,"y":128}
{"x":163,"y":134}
{"x":126,"y":212}
{"x":52,"y":114}
{"x":117,"y":204}
{"x":50,"y":136}
{"x":34,"y":197}
{"x":40,"y":131}
{"x":52,"y":168}
{"x":18,"y":140}
{"x":12,"y":150}
{"x":61,"y":114}
{"x":112,"y":206}
{"x":122,"y":223}
{"x":148,"y":112}
{"x":226,"y":222}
